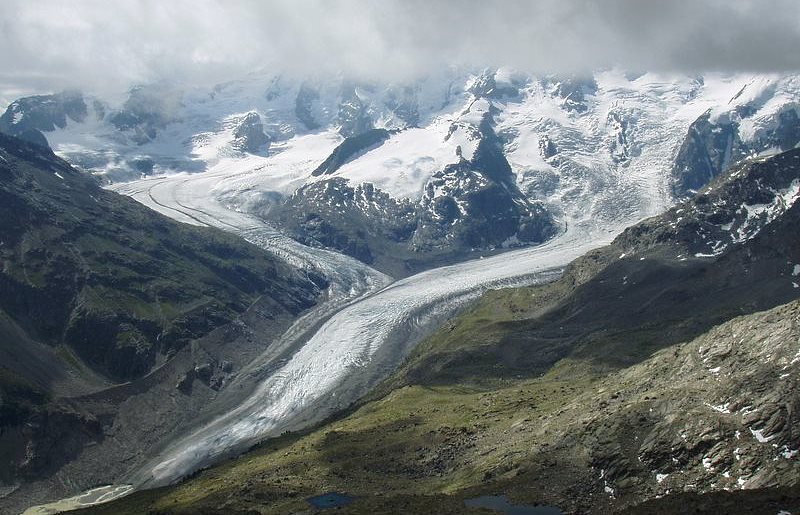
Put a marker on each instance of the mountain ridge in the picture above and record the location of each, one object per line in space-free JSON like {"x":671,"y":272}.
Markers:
{"x":111,"y":312}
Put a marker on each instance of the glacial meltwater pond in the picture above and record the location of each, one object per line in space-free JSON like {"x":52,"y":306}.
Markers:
{"x":330,"y":500}
{"x":501,"y":504}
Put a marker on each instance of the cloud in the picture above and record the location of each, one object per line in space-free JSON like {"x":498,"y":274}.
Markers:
{"x":107,"y":46}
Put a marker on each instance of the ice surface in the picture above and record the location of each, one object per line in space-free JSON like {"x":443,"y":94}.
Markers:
{"x":621,"y":147}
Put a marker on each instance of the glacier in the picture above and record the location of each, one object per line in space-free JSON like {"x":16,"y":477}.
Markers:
{"x":599,"y":158}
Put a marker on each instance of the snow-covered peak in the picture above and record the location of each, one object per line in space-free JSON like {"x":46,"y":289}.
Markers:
{"x":573,"y":142}
{"x":759,"y":117}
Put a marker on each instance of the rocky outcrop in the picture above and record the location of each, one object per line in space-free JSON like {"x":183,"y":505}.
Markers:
{"x":249,"y":134}
{"x":360,"y":221}
{"x":27,"y":118}
{"x":727,"y":424}
{"x":474,"y":204}
{"x":350,"y":149}
{"x":353,"y":117}
{"x":731,"y":210}
{"x":713,"y":143}
{"x":147,"y":110}
{"x":574,"y":90}
{"x":403,"y":103}
{"x":707,"y":150}
{"x":304,"y":103}
{"x":547,"y":147}
{"x":485,"y":85}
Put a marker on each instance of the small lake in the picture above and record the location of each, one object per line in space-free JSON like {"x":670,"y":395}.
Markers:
{"x":330,"y":500}
{"x":501,"y":504}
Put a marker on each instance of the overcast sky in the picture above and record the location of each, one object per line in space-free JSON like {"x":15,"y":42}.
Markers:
{"x":103,"y":45}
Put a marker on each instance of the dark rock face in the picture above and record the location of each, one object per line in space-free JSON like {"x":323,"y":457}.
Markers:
{"x":547,"y":147}
{"x":28,"y":117}
{"x":44,"y":112}
{"x":304,"y":106}
{"x":360,"y":221}
{"x":485,"y":86}
{"x":733,"y":209}
{"x":353,"y":117}
{"x":402,"y":101}
{"x":350,"y":149}
{"x":711,"y":146}
{"x":471,"y":205}
{"x":461,"y":208}
{"x":249,"y":134}
{"x":38,"y":441}
{"x":574,"y":91}
{"x":706,"y":151}
{"x":317,"y":231}
{"x":144,"y":165}
{"x":476,"y":203}
{"x":621,"y":146}
{"x":148,"y":109}
{"x":34,"y":136}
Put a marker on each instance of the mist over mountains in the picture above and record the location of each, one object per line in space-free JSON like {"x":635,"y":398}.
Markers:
{"x":399,"y":256}
{"x":103,"y":48}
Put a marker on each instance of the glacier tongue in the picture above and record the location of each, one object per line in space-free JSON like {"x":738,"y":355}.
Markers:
{"x":358,"y":345}
{"x":370,"y":326}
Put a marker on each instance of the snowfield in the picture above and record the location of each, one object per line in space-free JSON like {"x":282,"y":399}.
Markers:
{"x":626,"y":125}
{"x":404,"y":163}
